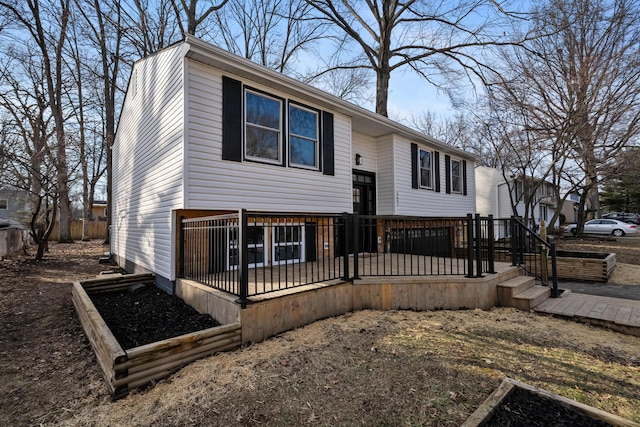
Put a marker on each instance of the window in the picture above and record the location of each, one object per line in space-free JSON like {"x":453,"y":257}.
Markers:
{"x":263,"y":127}
{"x":303,"y":137}
{"x":4,"y":204}
{"x":456,"y":176}
{"x":255,"y":246}
{"x":544,"y":213}
{"x":426,"y":169}
{"x":256,"y":126}
{"x":288,"y":243}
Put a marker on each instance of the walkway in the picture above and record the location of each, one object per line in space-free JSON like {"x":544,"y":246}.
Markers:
{"x":622,"y":315}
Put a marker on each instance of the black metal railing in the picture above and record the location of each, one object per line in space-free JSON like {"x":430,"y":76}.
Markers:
{"x":253,"y":253}
{"x":532,"y":253}
{"x":420,"y":246}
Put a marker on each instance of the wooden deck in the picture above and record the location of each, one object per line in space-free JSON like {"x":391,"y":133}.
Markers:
{"x":618,"y":314}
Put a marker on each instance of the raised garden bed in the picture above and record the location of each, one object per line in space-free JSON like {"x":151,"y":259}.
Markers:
{"x":126,"y":369}
{"x":518,"y":404}
{"x":573,"y":265}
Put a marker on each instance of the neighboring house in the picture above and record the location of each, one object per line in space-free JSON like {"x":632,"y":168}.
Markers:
{"x":99,"y":210}
{"x":203,"y":130}
{"x":493,"y":196}
{"x":570,"y":208}
{"x":15,"y":205}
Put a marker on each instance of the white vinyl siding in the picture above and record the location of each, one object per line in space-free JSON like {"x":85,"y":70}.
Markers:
{"x":148,"y":162}
{"x":412,"y":201}
{"x":385,"y":179}
{"x":217,"y":184}
{"x":366,"y":147}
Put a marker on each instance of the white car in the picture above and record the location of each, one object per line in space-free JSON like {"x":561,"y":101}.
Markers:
{"x":605,"y":226}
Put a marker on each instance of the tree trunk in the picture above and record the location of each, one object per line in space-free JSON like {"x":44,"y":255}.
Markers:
{"x":382,"y":90}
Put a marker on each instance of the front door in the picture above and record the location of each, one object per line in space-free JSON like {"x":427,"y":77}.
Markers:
{"x":364,"y":204}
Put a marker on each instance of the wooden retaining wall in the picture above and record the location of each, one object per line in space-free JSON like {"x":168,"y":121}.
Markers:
{"x":571,"y":268}
{"x":126,"y":370}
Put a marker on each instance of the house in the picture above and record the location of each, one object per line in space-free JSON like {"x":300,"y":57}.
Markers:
{"x":99,"y":210}
{"x":204,"y":131}
{"x":496,"y":195}
{"x":15,"y":205}
{"x":570,"y":208}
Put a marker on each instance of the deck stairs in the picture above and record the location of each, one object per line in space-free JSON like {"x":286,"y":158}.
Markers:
{"x":522,"y":293}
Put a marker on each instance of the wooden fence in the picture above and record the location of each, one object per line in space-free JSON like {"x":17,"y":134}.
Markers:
{"x":97,"y":230}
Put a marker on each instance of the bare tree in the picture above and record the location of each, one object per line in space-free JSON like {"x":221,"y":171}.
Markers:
{"x":47,"y":29}
{"x":441,"y":41}
{"x":25,"y":152}
{"x":105,"y":33}
{"x":148,"y":26}
{"x":578,"y":89}
{"x":269,"y":32}
{"x":194,"y":15}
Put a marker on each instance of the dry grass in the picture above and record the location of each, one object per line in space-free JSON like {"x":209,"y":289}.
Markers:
{"x":387,"y":368}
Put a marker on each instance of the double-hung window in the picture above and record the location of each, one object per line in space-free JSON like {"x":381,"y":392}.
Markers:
{"x":303,"y":137}
{"x":263,"y":127}
{"x":456,"y":176}
{"x":4,"y":204}
{"x":426,"y":169}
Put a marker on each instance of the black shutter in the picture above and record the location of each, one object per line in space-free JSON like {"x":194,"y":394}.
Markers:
{"x":327,"y":144}
{"x":464,"y":177}
{"x":414,"y":166}
{"x":447,"y":167}
{"x":231,"y":119}
{"x":436,"y":169}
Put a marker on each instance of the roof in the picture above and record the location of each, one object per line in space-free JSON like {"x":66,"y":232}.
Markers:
{"x":362,"y":120}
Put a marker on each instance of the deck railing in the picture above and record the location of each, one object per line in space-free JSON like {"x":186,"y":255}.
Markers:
{"x":254,"y":253}
{"x":533,"y":254}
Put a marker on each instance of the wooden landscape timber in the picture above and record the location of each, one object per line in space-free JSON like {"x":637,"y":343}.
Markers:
{"x":485,"y":412}
{"x":588,"y":266}
{"x":125,"y":370}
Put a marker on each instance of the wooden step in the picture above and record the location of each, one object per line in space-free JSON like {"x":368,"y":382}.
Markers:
{"x":531,"y":297}
{"x":507,"y":290}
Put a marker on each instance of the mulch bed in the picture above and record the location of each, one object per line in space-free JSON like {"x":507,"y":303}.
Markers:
{"x":148,"y":314}
{"x":523,"y":408}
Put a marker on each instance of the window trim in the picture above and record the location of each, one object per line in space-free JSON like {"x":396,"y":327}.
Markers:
{"x":6,"y":204}
{"x":430,"y":169}
{"x":289,"y":134}
{"x":245,"y":123}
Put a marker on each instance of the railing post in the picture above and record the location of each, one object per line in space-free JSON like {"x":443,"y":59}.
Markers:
{"x":356,"y":245}
{"x":554,"y":272}
{"x":345,"y":247}
{"x":478,"y":246}
{"x":491,"y":246}
{"x":470,"y":245}
{"x":181,"y":259}
{"x":243,"y":259}
{"x":544,"y":255}
{"x":514,"y":241}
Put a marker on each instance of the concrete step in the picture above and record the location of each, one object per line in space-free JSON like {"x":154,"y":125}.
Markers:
{"x":508,"y":289}
{"x":528,"y":299}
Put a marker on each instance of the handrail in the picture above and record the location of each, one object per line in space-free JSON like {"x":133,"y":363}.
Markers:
{"x":519,"y":228}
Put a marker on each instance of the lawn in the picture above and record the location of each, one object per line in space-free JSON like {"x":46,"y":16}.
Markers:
{"x":363,"y":368}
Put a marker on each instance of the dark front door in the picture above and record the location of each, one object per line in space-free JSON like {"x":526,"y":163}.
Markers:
{"x":364,"y":204}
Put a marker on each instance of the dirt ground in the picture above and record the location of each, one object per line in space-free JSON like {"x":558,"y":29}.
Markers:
{"x":364,"y":368}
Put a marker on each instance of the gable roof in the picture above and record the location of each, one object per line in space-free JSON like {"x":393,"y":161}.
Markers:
{"x":362,"y":120}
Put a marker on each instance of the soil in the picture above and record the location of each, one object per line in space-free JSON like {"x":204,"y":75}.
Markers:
{"x":364,"y":368}
{"x":144,"y":315}
{"x":523,"y":408}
